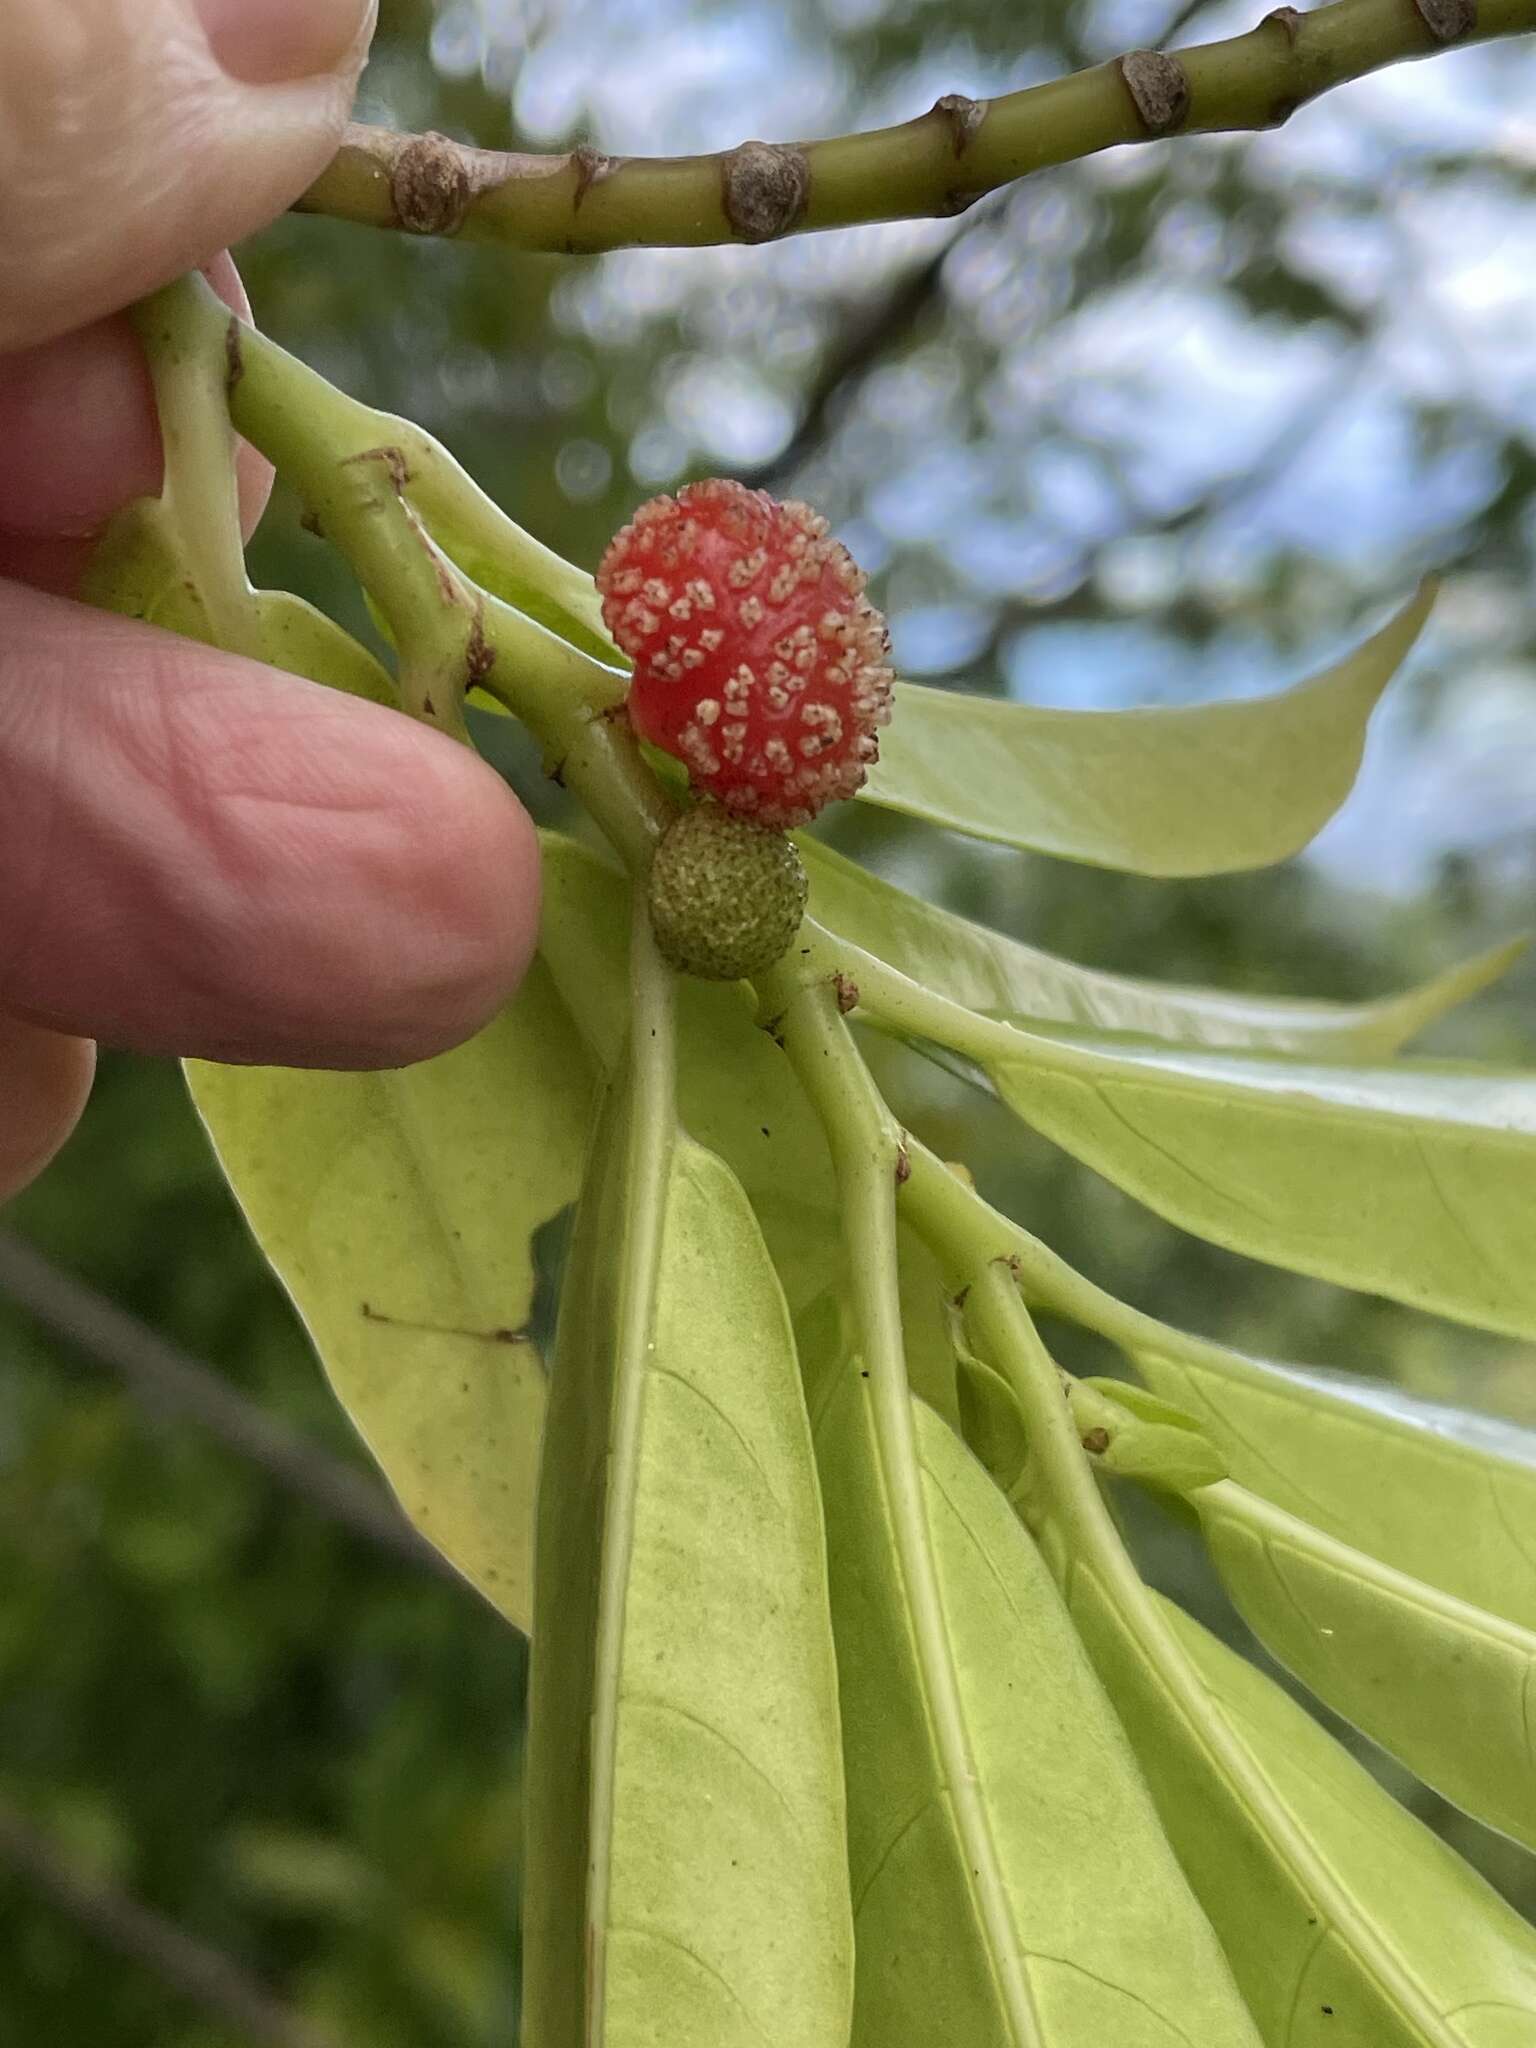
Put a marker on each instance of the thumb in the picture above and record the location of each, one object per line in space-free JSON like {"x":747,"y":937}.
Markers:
{"x":137,"y":137}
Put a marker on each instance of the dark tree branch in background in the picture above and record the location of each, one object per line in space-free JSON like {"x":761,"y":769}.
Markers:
{"x":869,"y":337}
{"x":1181,"y":21}
{"x":938,"y":164}
{"x":202,"y":1974}
{"x":167,"y":1379}
{"x":1285,"y":448}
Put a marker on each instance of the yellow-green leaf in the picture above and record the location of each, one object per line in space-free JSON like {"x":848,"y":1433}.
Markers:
{"x":1347,"y":1923}
{"x":1080,"y":1932}
{"x":1446,"y":1687}
{"x":1197,"y":790}
{"x":137,"y":570}
{"x":1445,"y":1496}
{"x":1158,"y":1450}
{"x":397,"y":1209}
{"x":1001,"y":977}
{"x":296,"y":637}
{"x":737,"y":1094}
{"x":686,"y":1880}
{"x":1414,"y":1181}
{"x":1344,"y":1920}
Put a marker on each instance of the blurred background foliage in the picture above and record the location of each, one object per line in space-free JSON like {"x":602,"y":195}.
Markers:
{"x":1170,"y":423}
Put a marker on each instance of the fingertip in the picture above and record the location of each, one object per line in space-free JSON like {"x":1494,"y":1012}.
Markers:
{"x":456,"y":894}
{"x":202,"y":855}
{"x":45,"y":1077}
{"x":81,"y":439}
{"x":131,"y":151}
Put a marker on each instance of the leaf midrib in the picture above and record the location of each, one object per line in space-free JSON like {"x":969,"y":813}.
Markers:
{"x":1228,"y":1755}
{"x":649,"y":1142}
{"x":902,"y":1469}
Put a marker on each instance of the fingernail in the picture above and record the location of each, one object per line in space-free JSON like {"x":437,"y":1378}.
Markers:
{"x":273,"y":42}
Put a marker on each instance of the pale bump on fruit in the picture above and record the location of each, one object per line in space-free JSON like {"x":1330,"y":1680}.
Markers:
{"x":760,"y":664}
{"x":726,"y":894}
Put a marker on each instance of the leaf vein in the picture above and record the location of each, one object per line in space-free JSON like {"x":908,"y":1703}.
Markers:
{"x":664,"y":1939}
{"x":667,"y":1372}
{"x":657,"y":1704}
{"x":1454,"y":1217}
{"x":1211,"y":1187}
{"x":1323,"y":1932}
{"x":1122,"y":1990}
{"x":1501,"y":1509}
{"x":903,"y":1828}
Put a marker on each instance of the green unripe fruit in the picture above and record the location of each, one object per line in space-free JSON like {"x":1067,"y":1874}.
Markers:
{"x":727,"y":895}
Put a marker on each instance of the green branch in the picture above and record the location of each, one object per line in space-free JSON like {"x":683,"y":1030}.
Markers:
{"x":190,"y":373}
{"x":937,"y":164}
{"x":363,"y":475}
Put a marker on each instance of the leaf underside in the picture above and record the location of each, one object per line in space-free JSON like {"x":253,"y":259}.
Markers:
{"x":1345,"y":1920}
{"x":1413,"y":1181}
{"x":685,"y":1875}
{"x":1196,"y":790}
{"x":1100,"y":1929}
{"x":1447,"y":1688}
{"x":397,"y":1209}
{"x":1001,"y":977}
{"x":1441,"y":1495}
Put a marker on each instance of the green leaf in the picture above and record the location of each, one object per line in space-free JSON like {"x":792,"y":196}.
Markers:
{"x":137,"y":571}
{"x":1447,"y":1497}
{"x":1445,"y":1687}
{"x":136,"y":565}
{"x":1198,"y":790}
{"x":1003,"y":978}
{"x":737,"y":1094}
{"x":928,"y":1327}
{"x":1414,"y":1181}
{"x":305,"y":642}
{"x":1450,"y":1942}
{"x":397,"y":1209}
{"x":991,"y":1423}
{"x":1347,"y":1924}
{"x":686,"y":1872}
{"x":1083,"y":1932}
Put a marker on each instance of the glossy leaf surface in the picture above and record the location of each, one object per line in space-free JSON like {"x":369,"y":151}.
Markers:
{"x":1198,"y":790}
{"x":686,"y":1878}
{"x":1445,"y":1496}
{"x":1090,"y":1935}
{"x":397,"y":1209}
{"x":1447,"y":1688}
{"x":1002,"y":977}
{"x":1417,"y":1182}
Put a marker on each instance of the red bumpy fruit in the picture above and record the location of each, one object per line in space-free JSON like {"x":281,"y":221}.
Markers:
{"x":759,"y":662}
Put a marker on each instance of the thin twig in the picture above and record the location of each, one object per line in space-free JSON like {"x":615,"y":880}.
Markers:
{"x":938,"y":164}
{"x":871,"y":335}
{"x":205,"y":1975}
{"x":166,"y":1378}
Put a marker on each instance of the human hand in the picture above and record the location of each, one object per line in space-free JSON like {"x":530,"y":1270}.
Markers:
{"x":197,"y":854}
